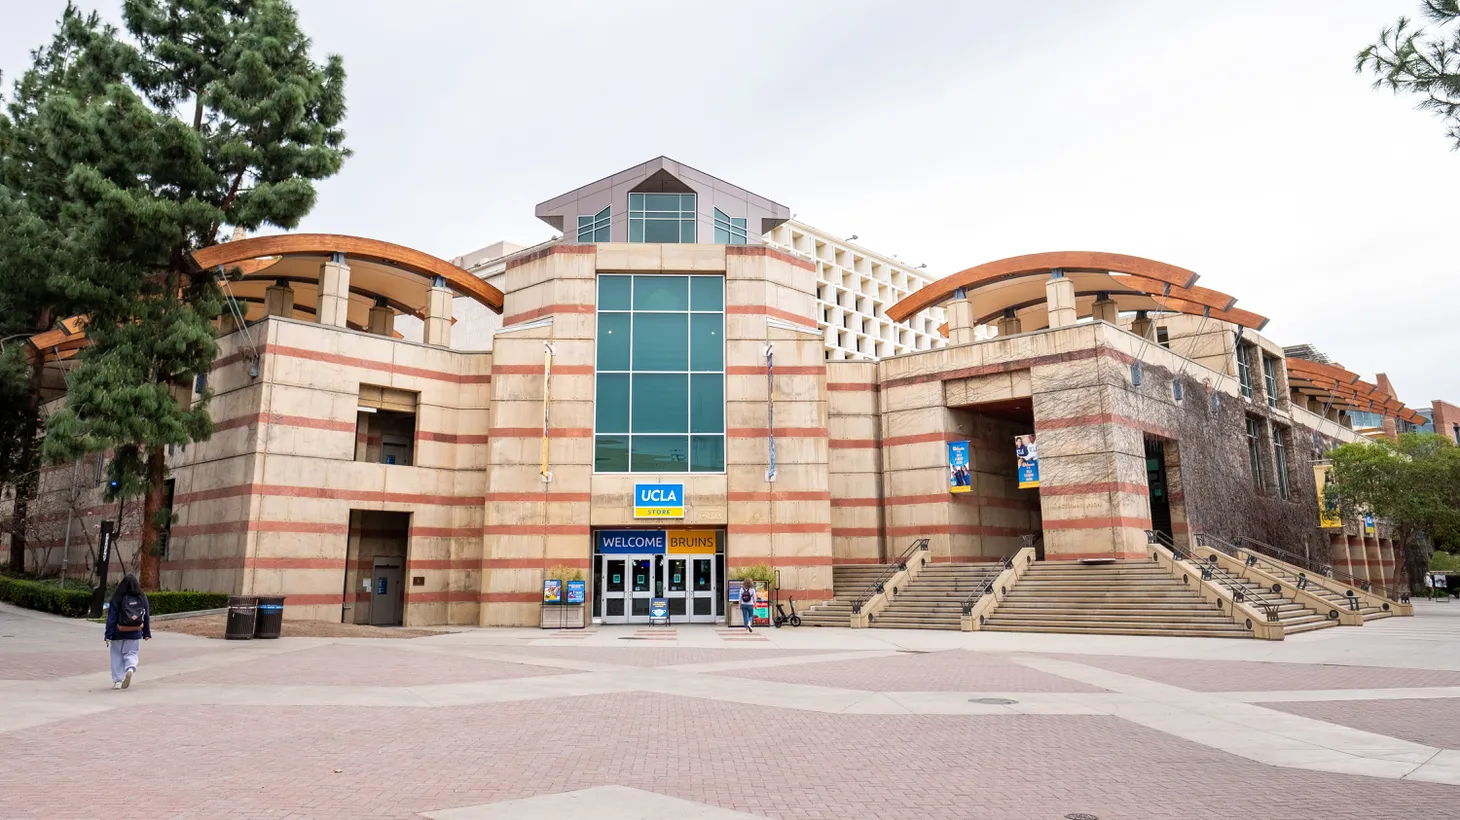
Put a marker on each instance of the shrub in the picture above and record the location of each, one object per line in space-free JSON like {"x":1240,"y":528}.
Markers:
{"x":44,"y":597}
{"x":562,"y":572}
{"x":166,"y":603}
{"x":754,"y":572}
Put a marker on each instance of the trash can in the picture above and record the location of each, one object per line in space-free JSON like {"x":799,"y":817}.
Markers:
{"x":242,"y":613}
{"x":270,"y":617}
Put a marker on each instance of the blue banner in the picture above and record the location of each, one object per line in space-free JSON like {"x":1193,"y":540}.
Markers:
{"x":1026,"y":453}
{"x":960,"y":472}
{"x":631,"y":542}
{"x":577,"y":592}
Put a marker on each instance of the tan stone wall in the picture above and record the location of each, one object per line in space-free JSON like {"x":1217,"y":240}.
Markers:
{"x":855,"y":463}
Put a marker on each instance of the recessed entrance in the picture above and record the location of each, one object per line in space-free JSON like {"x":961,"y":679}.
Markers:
{"x":633,"y":567}
{"x":375,"y":561}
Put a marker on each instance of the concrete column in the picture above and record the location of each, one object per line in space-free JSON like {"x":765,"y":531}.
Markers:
{"x":1009,"y":324}
{"x":1143,"y":326}
{"x":334,"y":292}
{"x":960,"y":322}
{"x":382,"y":319}
{"x":438,"y":314}
{"x":1106,"y":311}
{"x":279,"y":299}
{"x":1060,"y":297}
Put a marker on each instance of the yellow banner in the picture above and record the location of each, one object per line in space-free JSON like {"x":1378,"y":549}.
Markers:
{"x":692,"y":542}
{"x":1328,"y":517}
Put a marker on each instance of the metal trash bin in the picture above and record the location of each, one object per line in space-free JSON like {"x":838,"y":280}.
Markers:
{"x":270,"y":617}
{"x":243,"y":612}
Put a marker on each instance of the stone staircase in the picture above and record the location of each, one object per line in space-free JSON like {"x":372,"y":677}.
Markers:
{"x":1289,"y":573}
{"x":1295,"y":617}
{"x":1117,"y":598}
{"x":848,"y":583}
{"x":934,"y":599}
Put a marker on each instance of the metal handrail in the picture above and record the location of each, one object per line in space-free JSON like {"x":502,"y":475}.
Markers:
{"x":896,"y":566}
{"x":1253,"y":559}
{"x":1210,"y":571}
{"x":987,"y":586}
{"x":1325,"y":571}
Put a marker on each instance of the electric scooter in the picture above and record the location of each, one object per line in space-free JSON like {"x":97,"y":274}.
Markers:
{"x":782,"y":618}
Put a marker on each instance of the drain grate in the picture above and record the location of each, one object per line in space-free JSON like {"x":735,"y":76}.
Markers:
{"x":992,"y":701}
{"x":1081,"y":816}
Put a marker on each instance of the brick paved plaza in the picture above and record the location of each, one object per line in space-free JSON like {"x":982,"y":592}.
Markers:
{"x":810,"y":723}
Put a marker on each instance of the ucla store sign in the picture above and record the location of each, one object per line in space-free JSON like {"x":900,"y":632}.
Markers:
{"x":659,"y":501}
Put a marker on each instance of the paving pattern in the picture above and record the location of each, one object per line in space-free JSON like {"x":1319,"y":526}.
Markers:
{"x":810,"y":724}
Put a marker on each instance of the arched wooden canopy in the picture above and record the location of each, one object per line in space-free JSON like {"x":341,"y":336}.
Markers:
{"x":423,"y":266}
{"x":1017,"y":285}
{"x":1336,"y":387}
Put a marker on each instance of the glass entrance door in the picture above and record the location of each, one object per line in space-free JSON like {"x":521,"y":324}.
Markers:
{"x":704,"y":592}
{"x":676,"y":588}
{"x":641,"y":587}
{"x":615,"y":584}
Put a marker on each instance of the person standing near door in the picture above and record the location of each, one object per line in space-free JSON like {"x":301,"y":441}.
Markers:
{"x":747,"y":603}
{"x":128,"y":623}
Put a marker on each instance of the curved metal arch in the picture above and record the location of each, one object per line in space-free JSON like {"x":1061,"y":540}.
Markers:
{"x":1037,"y":263}
{"x":373,"y":250}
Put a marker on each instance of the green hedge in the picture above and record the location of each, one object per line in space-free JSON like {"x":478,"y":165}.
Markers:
{"x":23,"y":592}
{"x":73,"y":603}
{"x":166,"y":603}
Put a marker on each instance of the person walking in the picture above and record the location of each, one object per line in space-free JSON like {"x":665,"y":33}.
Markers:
{"x":747,"y":603}
{"x":128,"y":623}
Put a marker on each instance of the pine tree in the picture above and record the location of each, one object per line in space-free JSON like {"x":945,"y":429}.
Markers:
{"x":1419,"y":60}
{"x":217,"y":116}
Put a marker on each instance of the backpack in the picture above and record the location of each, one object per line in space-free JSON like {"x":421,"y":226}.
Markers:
{"x":131,"y":613}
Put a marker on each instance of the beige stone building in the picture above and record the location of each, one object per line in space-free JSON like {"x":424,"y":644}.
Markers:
{"x":657,"y":410}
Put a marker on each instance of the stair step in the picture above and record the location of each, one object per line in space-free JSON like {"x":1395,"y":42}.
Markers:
{"x":1087,"y":630}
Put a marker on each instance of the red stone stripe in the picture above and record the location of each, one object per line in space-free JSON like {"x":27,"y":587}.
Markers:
{"x":781,"y":370}
{"x":536,"y":432}
{"x":805,"y":322}
{"x":952,"y":529}
{"x":453,"y":438}
{"x":779,"y":560}
{"x":533,"y":563}
{"x":298,"y":527}
{"x":852,"y":443}
{"x":366,"y":364}
{"x":546,"y":252}
{"x":776,"y":528}
{"x":855,"y":532}
{"x":781,"y":432}
{"x":789,"y":495}
{"x":1092,"y":419}
{"x":446,"y":532}
{"x":535,"y":529}
{"x":510,"y":598}
{"x":851,"y":387}
{"x":1097,"y":523}
{"x":324,"y":493}
{"x":536,"y":370}
{"x":544,"y":495}
{"x":545,"y":310}
{"x":1011,"y":365}
{"x":1093,"y":488}
{"x":772,"y":253}
{"x":451,"y":596}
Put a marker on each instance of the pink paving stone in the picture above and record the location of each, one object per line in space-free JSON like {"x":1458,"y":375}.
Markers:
{"x":396,"y":762}
{"x":655,"y":655}
{"x":1433,"y":722}
{"x":1258,"y":676}
{"x":951,"y":671}
{"x":355,"y":665}
{"x":64,"y":664}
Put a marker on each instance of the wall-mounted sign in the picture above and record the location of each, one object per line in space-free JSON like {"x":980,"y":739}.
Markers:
{"x":1329,"y":515}
{"x":1027,"y":455}
{"x":659,"y":501}
{"x":1369,"y":528}
{"x":577,"y":592}
{"x":960,"y":472}
{"x":552,"y":591}
{"x":631,"y":542}
{"x":380,"y":585}
{"x":693,"y":542}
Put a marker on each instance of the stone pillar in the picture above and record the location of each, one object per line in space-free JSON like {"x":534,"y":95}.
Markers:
{"x":382,"y":319}
{"x":279,"y":299}
{"x":1143,"y":326}
{"x":960,"y":322}
{"x":1106,"y":311}
{"x":334,"y":292}
{"x":1060,"y":298}
{"x":438,"y":314}
{"x":1009,"y":324}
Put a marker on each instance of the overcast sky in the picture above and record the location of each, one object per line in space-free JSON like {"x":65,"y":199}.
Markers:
{"x":1232,"y":138}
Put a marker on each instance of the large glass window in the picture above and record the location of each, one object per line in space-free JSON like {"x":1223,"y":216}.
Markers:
{"x":1244,"y":370}
{"x":594,"y":228}
{"x":1282,"y":461}
{"x":1269,"y":380}
{"x":729,"y":230}
{"x":661,"y":217}
{"x":1254,"y":453}
{"x":660,"y":403}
